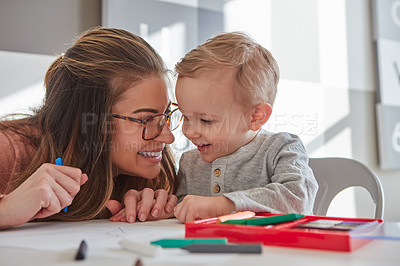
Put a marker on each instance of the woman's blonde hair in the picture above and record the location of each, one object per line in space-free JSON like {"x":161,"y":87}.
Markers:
{"x":257,"y":73}
{"x":84,"y":83}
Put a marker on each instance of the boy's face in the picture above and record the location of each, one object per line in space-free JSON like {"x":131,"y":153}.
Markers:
{"x":213,"y":121}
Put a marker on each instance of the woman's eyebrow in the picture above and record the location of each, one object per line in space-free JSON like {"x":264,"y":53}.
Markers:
{"x":145,"y":110}
{"x":149,"y":110}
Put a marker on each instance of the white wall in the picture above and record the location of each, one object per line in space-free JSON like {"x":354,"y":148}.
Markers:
{"x":21,"y":86}
{"x":45,"y":26}
{"x":32,"y":34}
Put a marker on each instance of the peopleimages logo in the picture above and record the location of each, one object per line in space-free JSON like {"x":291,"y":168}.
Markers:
{"x":296,"y":123}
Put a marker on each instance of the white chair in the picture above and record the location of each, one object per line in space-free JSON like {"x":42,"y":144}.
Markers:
{"x":336,"y":174}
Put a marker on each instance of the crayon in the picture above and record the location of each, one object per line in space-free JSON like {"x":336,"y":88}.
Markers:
{"x":230,"y":248}
{"x":141,"y":248}
{"x":276,"y":219}
{"x":81,"y":253}
{"x":60,"y":162}
{"x":236,"y":216}
{"x":178,"y":243}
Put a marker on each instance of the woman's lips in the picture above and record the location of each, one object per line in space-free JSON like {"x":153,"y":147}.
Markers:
{"x":150,"y":153}
{"x":151,"y":156}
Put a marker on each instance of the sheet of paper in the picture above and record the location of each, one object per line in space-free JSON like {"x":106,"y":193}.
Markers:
{"x":53,"y":243}
{"x":386,"y":230}
{"x":99,"y":234}
{"x":25,"y":256}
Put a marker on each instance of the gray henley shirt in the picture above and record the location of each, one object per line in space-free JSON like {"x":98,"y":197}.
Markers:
{"x":269,"y":174}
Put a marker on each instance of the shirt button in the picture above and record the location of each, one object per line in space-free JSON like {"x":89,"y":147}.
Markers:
{"x":216,"y":188}
{"x":217,"y":172}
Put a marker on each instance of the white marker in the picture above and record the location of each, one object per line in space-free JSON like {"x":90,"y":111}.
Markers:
{"x":141,"y":248}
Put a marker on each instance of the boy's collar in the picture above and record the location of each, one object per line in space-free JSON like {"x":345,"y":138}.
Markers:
{"x":251,"y":146}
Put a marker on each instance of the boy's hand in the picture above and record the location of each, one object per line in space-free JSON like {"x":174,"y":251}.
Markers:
{"x":198,"y":207}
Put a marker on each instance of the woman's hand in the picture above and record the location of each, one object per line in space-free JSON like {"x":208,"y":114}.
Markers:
{"x":194,"y":207}
{"x":146,"y":204}
{"x":45,"y":192}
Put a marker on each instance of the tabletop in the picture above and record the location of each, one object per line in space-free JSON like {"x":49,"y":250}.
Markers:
{"x":56,"y":243}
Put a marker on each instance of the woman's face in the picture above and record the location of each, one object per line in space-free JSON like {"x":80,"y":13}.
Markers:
{"x":131,"y":154}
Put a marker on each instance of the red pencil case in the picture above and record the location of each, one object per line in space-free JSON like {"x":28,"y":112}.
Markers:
{"x":315,"y":232}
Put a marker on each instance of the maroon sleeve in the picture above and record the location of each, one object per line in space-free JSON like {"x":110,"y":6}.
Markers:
{"x":8,"y":161}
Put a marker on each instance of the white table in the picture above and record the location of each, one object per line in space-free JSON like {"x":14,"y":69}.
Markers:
{"x":55,"y":243}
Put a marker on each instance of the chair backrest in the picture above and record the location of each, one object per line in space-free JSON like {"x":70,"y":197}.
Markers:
{"x":336,"y":174}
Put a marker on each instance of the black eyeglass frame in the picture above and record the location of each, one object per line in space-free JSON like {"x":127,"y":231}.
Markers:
{"x":145,"y":121}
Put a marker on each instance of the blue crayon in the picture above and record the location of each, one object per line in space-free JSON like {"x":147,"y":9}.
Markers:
{"x":60,"y":162}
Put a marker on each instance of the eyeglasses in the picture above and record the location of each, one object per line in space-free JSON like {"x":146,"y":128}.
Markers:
{"x":153,"y":125}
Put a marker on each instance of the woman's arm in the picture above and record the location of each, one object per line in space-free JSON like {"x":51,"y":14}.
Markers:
{"x":44,"y":193}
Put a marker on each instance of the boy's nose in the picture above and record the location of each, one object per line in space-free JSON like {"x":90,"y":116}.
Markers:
{"x":189,"y":131}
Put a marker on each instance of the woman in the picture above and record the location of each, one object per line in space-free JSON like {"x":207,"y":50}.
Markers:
{"x":104,"y":113}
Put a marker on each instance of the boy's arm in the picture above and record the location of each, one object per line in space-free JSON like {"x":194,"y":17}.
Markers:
{"x":292,"y":186}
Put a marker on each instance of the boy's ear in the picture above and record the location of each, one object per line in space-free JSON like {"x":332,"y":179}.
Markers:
{"x":260,"y":115}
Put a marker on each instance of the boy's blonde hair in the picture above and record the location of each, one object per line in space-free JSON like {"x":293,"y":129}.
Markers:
{"x":257,"y":73}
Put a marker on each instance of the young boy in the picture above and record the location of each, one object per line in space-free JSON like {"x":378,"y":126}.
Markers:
{"x":225,"y":91}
